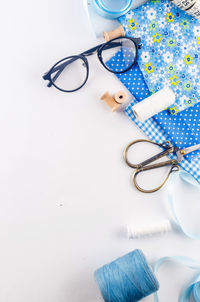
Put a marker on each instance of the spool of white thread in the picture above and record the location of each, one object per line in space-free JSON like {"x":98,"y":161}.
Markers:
{"x":154,"y":104}
{"x":148,"y":229}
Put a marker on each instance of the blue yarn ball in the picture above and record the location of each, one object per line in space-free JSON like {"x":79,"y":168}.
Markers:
{"x":127,"y":279}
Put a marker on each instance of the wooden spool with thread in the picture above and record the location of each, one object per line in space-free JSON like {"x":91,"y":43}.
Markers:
{"x":114,"y":102}
{"x":116,"y":33}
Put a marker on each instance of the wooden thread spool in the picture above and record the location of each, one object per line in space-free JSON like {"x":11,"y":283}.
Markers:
{"x":120,"y":97}
{"x":118,"y":32}
{"x":114,"y":102}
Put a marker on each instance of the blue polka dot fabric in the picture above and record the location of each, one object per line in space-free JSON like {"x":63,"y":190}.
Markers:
{"x":182,"y":130}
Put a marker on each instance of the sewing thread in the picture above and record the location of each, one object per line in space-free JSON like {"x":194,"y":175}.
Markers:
{"x":148,"y":229}
{"x":128,"y":278}
{"x":154,"y":104}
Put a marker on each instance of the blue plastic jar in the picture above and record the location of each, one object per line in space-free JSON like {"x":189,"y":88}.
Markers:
{"x":112,"y":9}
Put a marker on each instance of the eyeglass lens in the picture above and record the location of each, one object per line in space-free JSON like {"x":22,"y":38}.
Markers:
{"x":119,"y":55}
{"x":69,"y":74}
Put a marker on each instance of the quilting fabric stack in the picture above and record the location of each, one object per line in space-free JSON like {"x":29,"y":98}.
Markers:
{"x":182,"y":129}
{"x":170,"y":56}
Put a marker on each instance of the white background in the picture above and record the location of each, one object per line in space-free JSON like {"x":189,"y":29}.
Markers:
{"x":65,"y":192}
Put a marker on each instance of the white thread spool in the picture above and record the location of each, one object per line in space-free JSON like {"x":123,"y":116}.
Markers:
{"x":148,"y":229}
{"x":154,"y":104}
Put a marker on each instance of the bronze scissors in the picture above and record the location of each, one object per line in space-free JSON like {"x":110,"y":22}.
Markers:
{"x":146,"y":165}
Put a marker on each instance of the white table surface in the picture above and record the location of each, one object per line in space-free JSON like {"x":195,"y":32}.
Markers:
{"x":65,"y":191}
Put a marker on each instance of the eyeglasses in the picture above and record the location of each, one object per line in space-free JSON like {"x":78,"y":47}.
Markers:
{"x":71,"y":73}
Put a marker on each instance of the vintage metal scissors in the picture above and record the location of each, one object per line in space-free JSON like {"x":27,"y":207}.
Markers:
{"x":145,"y":165}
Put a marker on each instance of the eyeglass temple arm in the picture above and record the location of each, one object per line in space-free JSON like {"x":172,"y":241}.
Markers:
{"x":60,"y":68}
{"x":88,"y":52}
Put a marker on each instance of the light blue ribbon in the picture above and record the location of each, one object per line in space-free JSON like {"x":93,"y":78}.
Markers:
{"x":112,"y":9}
{"x":186,"y":177}
{"x":193,"y":289}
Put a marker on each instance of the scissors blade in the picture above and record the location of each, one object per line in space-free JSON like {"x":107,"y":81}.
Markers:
{"x":191,"y":149}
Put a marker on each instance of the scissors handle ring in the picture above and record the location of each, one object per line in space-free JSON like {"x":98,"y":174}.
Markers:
{"x":174,"y":168}
{"x":167,"y":146}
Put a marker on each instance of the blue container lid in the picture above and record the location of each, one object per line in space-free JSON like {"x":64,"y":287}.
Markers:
{"x":112,"y":8}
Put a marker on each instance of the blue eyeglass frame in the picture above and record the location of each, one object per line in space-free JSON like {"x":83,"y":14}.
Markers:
{"x":99,"y":48}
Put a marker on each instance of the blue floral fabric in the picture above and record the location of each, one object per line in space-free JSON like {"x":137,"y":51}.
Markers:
{"x":170,"y":55}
